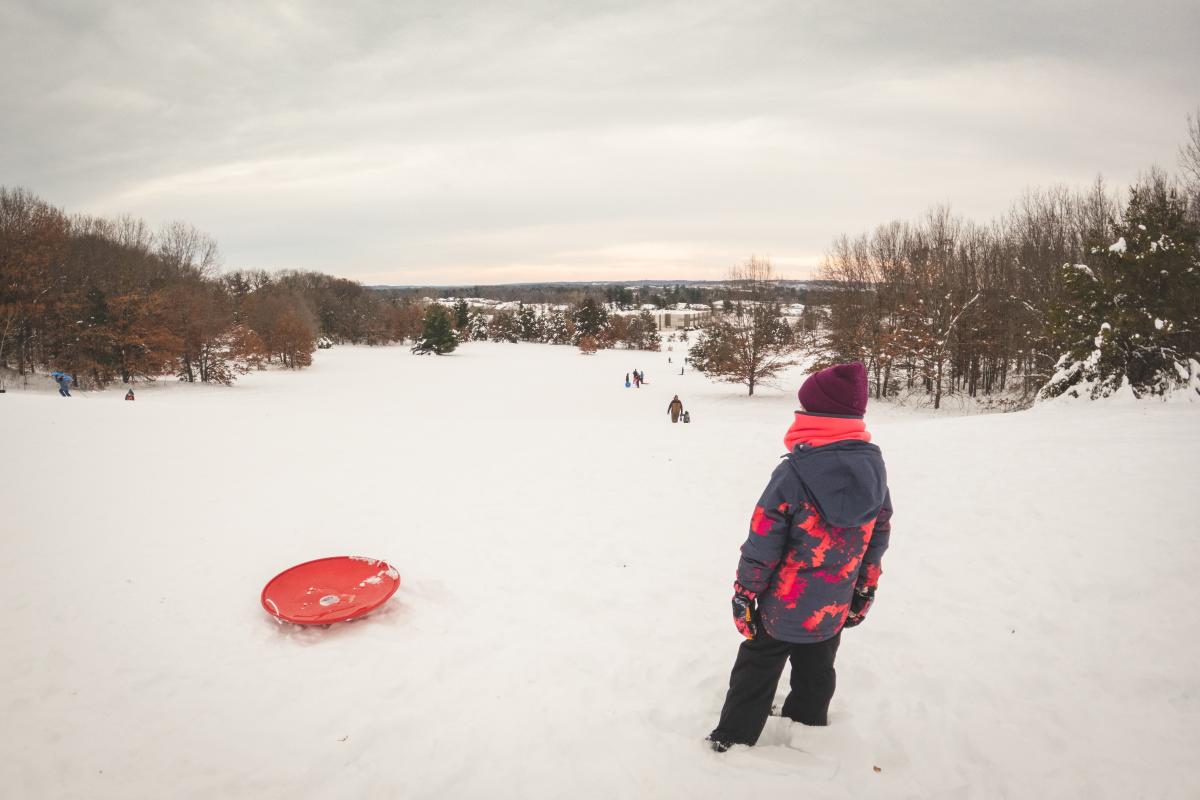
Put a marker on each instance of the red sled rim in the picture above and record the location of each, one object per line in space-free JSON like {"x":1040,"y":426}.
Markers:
{"x":328,"y":590}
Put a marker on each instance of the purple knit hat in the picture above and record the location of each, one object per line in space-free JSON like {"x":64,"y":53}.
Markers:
{"x":841,"y":389}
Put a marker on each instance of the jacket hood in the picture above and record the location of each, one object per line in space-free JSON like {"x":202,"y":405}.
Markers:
{"x":847,"y":480}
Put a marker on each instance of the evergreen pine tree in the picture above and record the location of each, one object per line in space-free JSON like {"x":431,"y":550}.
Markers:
{"x":438,"y":336}
{"x":461,"y":315}
{"x":641,"y":333}
{"x":529,"y":325}
{"x":590,"y":319}
{"x":559,"y":329}
{"x":477,"y":328}
{"x":650,"y":339}
{"x":504,"y":327}
{"x":1132,"y":314}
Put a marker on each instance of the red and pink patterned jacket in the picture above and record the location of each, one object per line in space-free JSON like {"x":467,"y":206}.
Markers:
{"x":820,"y":529}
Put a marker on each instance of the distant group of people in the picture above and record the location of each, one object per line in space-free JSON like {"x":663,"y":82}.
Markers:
{"x":64,"y":382}
{"x":675,"y":408}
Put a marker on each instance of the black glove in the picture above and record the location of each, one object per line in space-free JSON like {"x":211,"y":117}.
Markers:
{"x":860,"y":604}
{"x":745,"y":612}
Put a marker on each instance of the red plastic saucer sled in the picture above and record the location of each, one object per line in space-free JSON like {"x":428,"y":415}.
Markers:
{"x":330,"y":590}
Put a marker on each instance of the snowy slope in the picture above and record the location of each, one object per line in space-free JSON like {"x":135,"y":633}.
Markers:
{"x":563,"y":623}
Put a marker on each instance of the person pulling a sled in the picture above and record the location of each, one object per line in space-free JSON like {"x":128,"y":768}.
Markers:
{"x":675,"y":408}
{"x":811,"y":562}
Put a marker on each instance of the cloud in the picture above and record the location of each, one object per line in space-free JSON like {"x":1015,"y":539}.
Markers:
{"x":473,"y":141}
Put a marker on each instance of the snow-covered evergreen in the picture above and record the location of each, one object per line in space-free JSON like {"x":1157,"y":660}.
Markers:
{"x":1132,"y":315}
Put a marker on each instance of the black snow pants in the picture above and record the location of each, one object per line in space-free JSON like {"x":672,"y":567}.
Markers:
{"x":756,"y":675}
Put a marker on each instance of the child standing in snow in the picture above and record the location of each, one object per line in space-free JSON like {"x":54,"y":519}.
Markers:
{"x":811,"y":562}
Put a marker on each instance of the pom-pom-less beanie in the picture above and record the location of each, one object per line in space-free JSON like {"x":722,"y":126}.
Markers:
{"x":840,"y":389}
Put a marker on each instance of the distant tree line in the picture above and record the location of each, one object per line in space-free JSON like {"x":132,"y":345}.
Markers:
{"x":588,"y":319}
{"x":616,"y":296}
{"x":1069,"y":292}
{"x":110,"y":299}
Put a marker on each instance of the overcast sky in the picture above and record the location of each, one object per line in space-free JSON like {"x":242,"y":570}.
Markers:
{"x":486,"y":142}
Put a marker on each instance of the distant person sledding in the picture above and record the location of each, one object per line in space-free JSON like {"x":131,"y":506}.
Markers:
{"x":64,"y":383}
{"x":675,"y":408}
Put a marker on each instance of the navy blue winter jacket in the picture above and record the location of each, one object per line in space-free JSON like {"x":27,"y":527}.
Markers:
{"x":820,"y":528}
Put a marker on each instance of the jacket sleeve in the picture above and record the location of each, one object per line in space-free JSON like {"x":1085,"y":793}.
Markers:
{"x":769,"y":529}
{"x":872,"y":563}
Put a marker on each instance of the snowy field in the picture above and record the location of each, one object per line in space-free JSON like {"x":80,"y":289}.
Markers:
{"x":563,"y":626}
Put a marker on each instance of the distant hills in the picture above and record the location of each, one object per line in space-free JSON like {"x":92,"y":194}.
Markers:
{"x":638,"y":284}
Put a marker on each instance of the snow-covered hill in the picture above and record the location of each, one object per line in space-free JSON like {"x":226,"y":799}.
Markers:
{"x":563,"y":624}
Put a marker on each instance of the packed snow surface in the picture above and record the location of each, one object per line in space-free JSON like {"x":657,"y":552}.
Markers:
{"x":563,"y":626}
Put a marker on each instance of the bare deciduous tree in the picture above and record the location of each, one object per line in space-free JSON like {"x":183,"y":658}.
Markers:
{"x":185,"y":249}
{"x":1189,"y":161}
{"x":752,"y":345}
{"x":944,"y":306}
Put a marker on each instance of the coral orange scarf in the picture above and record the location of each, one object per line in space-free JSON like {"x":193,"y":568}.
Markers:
{"x":816,"y":431}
